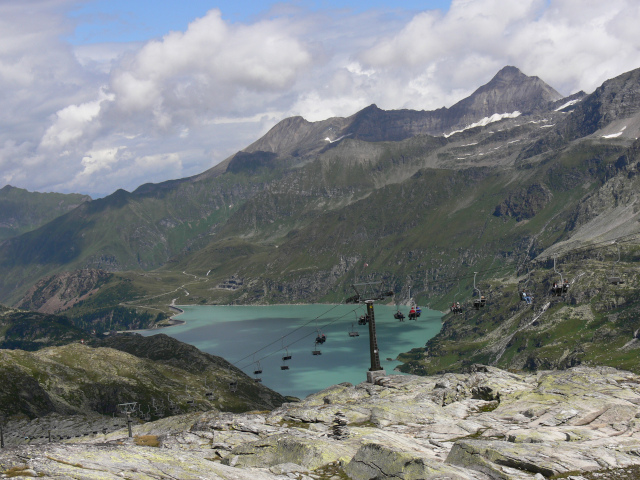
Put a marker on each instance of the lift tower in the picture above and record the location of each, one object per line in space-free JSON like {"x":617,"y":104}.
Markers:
{"x":376,"y":369}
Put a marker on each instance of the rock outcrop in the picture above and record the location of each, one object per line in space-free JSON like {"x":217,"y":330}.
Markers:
{"x":162,"y":375}
{"x":62,"y":291}
{"x":579,"y":423}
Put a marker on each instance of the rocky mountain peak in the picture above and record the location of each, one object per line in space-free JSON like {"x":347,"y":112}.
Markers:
{"x":614,"y":108}
{"x":509,"y":91}
{"x":508,"y":74}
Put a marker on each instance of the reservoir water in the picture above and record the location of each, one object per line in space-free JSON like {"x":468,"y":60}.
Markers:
{"x":236,"y":332}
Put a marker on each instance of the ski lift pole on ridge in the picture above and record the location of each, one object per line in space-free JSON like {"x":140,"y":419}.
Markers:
{"x":376,"y":369}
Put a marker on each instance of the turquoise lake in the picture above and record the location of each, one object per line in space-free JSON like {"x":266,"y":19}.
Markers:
{"x":236,"y":332}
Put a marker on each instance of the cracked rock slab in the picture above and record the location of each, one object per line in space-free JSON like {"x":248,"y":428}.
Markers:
{"x":277,"y":449}
{"x":374,"y":460}
{"x":114,"y":462}
{"x":546,"y":459}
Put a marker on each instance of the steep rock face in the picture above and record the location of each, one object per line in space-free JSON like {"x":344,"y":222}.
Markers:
{"x":612,"y":211}
{"x":616,"y":99}
{"x":251,"y":162}
{"x":510,"y":90}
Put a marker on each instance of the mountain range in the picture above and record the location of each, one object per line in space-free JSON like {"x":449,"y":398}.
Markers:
{"x":497,"y":183}
{"x":22,"y":211}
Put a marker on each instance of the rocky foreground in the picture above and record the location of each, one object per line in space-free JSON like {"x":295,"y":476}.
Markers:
{"x":490,"y":424}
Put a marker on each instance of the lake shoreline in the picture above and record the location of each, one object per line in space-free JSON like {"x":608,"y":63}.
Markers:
{"x":247,"y":335}
{"x":173,"y":320}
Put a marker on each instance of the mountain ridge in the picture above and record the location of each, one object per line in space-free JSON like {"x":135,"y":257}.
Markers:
{"x":508,"y":91}
{"x":295,"y":227}
{"x":22,"y":211}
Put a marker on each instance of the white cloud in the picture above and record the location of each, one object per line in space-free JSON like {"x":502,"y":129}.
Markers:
{"x":71,"y":122}
{"x":100,"y":117}
{"x":571,"y":44}
{"x":98,"y":160}
{"x":208,"y":67}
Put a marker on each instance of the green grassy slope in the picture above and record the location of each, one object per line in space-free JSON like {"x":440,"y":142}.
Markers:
{"x":22,"y":211}
{"x":594,"y":323}
{"x":437,"y":223}
{"x":124,"y":231}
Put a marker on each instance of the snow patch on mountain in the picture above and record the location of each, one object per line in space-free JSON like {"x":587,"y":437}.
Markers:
{"x":496,"y":117}
{"x":614,"y":135}
{"x":568,"y":104}
{"x":337,"y":139}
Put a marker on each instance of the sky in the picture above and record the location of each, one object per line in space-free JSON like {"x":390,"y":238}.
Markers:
{"x":98,"y":95}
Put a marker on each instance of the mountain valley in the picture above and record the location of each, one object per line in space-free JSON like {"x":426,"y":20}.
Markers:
{"x":497,"y":184}
{"x":512,"y":189}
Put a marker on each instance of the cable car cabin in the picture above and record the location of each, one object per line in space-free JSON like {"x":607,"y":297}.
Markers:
{"x":412,"y":313}
{"x":320,"y":339}
{"x":284,"y":359}
{"x":479,"y":302}
{"x":316,"y":350}
{"x":456,"y":308}
{"x":257,"y":380}
{"x":353,"y":332}
{"x":363,"y":320}
{"x":399,"y":316}
{"x":418,"y":312}
{"x":560,"y":288}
